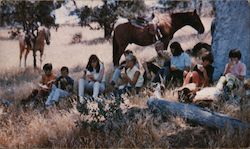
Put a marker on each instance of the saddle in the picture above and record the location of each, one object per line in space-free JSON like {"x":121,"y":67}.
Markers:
{"x":149,"y":23}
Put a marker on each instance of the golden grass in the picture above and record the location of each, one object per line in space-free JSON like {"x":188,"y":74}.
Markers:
{"x":139,"y":127}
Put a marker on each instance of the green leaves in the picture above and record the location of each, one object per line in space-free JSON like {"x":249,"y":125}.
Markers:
{"x":20,"y":12}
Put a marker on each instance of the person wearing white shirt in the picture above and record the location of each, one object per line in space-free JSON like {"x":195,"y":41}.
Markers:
{"x":133,"y":78}
{"x":93,"y":79}
{"x":117,"y":73}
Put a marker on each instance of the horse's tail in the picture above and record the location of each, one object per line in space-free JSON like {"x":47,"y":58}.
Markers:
{"x":115,"y":50}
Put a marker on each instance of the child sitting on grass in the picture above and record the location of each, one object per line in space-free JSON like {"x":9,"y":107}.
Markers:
{"x":62,"y":88}
{"x":45,"y":85}
{"x":234,"y":73}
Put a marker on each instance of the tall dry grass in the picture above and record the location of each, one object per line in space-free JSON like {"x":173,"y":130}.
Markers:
{"x":139,"y":127}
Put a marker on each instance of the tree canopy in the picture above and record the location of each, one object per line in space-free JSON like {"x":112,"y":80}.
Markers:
{"x":22,"y":12}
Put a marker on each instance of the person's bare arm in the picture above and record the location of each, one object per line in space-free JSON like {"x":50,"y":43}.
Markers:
{"x":227,"y":68}
{"x":145,"y":66}
{"x":206,"y":79}
{"x":135,"y":78}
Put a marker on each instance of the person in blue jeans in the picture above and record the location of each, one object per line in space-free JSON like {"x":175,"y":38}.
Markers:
{"x":93,"y":79}
{"x":117,"y":73}
{"x":133,"y":78}
{"x":62,"y":87}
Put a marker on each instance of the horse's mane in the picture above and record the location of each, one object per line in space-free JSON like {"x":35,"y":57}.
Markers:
{"x":164,"y":19}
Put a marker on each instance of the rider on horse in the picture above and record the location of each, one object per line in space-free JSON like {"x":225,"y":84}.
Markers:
{"x":30,"y":27}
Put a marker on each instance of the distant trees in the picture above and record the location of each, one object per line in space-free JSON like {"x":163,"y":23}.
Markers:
{"x":195,"y":4}
{"x":107,"y":14}
{"x":27,"y":12}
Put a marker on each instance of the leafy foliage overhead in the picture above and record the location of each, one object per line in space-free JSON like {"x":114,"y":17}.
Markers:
{"x":20,"y":12}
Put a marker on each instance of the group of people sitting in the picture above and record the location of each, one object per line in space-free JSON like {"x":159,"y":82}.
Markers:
{"x":166,"y":67}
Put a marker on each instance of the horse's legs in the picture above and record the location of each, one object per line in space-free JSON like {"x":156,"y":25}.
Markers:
{"x":122,"y":49}
{"x":25,"y":58}
{"x":166,"y":42}
{"x":20,"y":56}
{"x":41,"y":56}
{"x":22,"y":49}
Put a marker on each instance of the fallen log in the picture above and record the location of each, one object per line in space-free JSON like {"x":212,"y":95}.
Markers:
{"x":196,"y":114}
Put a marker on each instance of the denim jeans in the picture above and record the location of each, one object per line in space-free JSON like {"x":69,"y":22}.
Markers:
{"x":116,"y":75}
{"x":85,"y":85}
{"x":164,"y":71}
{"x":55,"y":95}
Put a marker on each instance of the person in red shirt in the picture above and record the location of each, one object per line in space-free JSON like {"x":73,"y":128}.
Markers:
{"x":202,"y":75}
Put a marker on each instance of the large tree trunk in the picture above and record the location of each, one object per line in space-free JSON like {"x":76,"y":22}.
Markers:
{"x":231,"y":30}
{"x":196,"y":114}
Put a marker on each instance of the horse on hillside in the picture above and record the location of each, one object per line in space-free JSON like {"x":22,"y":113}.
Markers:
{"x":36,"y":43}
{"x":167,"y":25}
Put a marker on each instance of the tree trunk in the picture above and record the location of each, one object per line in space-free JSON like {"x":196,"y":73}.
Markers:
{"x":196,"y":114}
{"x":34,"y":58}
{"x":231,"y":30}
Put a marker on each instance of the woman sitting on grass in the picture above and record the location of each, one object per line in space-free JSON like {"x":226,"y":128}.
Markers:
{"x":180,"y":63}
{"x":202,"y":75}
{"x":133,"y":78}
{"x":93,"y":79}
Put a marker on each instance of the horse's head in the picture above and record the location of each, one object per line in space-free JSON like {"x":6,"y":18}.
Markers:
{"x":47,"y":35}
{"x":195,"y":21}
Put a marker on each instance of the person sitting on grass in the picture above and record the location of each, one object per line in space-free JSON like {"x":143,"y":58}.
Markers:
{"x":48,"y":78}
{"x":62,"y":88}
{"x":202,"y":74}
{"x":234,"y":73}
{"x":117,"y":72}
{"x":93,"y":79}
{"x":180,"y":63}
{"x":158,"y":65}
{"x":45,"y":85}
{"x":133,"y":79}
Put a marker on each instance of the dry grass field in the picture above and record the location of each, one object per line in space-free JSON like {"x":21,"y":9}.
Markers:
{"x":57,"y":127}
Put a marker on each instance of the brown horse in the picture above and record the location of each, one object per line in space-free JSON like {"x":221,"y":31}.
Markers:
{"x":43,"y":34}
{"x":168,"y":24}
